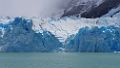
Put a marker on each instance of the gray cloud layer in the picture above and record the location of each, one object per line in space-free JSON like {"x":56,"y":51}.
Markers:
{"x":43,"y":8}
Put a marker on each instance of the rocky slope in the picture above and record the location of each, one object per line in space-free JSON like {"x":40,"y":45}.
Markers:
{"x":92,"y":8}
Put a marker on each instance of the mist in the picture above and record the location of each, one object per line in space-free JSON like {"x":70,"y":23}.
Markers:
{"x":30,"y":8}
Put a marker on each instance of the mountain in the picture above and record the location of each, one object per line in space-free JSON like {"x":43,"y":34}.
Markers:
{"x":92,"y":8}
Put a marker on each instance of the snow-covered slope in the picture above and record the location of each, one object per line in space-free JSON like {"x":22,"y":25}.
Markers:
{"x":77,"y":7}
{"x":115,"y":12}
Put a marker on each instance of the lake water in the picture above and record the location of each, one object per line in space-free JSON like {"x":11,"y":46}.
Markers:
{"x":59,"y":60}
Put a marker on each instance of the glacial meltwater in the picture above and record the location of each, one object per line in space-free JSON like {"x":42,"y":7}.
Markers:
{"x":59,"y":60}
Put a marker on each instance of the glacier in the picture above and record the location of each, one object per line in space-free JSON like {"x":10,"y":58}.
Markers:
{"x":18,"y":36}
{"x":95,"y":39}
{"x":69,"y":34}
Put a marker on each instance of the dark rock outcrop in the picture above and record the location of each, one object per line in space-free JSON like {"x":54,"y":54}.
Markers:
{"x":102,"y":9}
{"x":93,"y":11}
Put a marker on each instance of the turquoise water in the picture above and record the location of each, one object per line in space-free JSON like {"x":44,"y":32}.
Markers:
{"x":59,"y":60}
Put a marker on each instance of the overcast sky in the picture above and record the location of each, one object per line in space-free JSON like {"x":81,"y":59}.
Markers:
{"x":43,"y":8}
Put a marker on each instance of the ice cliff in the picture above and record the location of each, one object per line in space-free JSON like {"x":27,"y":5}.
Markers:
{"x":70,"y":34}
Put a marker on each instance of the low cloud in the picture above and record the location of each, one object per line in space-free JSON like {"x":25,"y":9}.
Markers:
{"x":30,"y":8}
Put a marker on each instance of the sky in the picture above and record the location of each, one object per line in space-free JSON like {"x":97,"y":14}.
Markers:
{"x":30,"y":8}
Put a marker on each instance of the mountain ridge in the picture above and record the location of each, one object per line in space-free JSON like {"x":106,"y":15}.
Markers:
{"x":92,"y":9}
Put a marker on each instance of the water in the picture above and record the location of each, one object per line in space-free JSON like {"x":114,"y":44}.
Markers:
{"x":59,"y":60}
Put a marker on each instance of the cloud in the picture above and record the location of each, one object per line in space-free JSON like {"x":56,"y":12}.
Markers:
{"x":29,"y":8}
